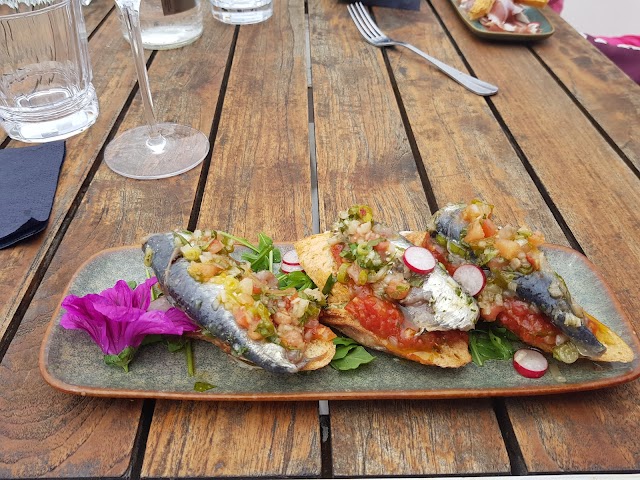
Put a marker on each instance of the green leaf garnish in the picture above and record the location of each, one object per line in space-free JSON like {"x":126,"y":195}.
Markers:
{"x":202,"y":386}
{"x":349,"y":354}
{"x":490,"y":343}
{"x":298,"y":280}
{"x":264,"y":255}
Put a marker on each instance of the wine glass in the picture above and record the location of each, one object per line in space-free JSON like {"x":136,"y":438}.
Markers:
{"x":155,"y":150}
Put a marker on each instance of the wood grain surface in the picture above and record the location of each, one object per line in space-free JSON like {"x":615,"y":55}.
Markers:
{"x":259,"y":181}
{"x":364,"y":156}
{"x":58,"y":435}
{"x":598,"y":196}
{"x":114,"y":77}
{"x":556,"y":148}
{"x":609,"y":97}
{"x":444,"y":441}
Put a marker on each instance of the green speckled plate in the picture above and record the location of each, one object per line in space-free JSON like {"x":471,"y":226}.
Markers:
{"x":71,"y":362}
{"x":534,"y":14}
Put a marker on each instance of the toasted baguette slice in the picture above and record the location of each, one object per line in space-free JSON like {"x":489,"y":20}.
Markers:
{"x":315,"y":257}
{"x":534,"y":3}
{"x":480,"y":8}
{"x":617,"y":350}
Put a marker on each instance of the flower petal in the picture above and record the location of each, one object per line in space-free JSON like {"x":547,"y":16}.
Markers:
{"x":142,"y":293}
{"x":119,"y":294}
{"x":181,"y":320}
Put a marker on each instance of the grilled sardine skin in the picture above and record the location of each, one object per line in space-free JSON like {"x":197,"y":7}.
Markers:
{"x":200,"y":302}
{"x":535,"y":288}
{"x":453,"y":309}
{"x":447,"y":222}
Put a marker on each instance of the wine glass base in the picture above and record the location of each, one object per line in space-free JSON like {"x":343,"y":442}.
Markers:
{"x":133,"y":154}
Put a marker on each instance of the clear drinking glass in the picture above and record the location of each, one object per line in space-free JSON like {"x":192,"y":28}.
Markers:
{"x":166,"y":24}
{"x":241,"y":12}
{"x":45,"y":88}
{"x":156,"y":150}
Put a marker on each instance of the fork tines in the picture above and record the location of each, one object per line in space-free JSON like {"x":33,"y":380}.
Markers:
{"x":365,"y":24}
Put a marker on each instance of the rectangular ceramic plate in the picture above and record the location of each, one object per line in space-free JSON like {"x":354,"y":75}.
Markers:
{"x":71,"y":362}
{"x":534,"y":14}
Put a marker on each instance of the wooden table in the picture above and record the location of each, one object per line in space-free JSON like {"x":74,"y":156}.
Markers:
{"x":305,"y":119}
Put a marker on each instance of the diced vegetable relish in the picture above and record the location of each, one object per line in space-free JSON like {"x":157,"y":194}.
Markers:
{"x":286,"y":317}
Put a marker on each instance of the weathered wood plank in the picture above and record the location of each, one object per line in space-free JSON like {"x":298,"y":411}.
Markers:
{"x":259,"y":181}
{"x":399,"y":437}
{"x":113,"y":78}
{"x":599,"y":197}
{"x":612,"y":98}
{"x":364,"y":156}
{"x":46,"y":433}
{"x":190,"y":439}
{"x":464,"y":150}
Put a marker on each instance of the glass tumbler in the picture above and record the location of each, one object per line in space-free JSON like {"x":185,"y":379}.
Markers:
{"x":241,"y":12}
{"x":45,"y":88}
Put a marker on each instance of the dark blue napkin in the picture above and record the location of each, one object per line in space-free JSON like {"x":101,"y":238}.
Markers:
{"x":28,"y":181}
{"x":401,"y":4}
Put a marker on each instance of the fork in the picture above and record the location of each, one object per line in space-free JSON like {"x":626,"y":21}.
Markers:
{"x":376,"y":37}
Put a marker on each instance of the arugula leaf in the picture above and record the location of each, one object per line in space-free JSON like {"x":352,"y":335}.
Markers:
{"x":344,"y":341}
{"x":264,"y":255}
{"x":490,"y":343}
{"x":349,"y":354}
{"x":298,"y":280}
{"x":352,"y":360}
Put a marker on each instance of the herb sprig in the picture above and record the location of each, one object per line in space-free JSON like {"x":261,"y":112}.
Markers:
{"x":263,"y":255}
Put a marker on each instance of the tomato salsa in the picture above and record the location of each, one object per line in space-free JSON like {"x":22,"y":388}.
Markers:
{"x":385,"y":320}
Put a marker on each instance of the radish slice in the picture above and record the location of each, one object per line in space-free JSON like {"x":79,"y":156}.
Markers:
{"x":471,"y":278}
{"x":530,"y":363}
{"x":286,"y":268}
{"x":419,"y":260}
{"x":291,"y":258}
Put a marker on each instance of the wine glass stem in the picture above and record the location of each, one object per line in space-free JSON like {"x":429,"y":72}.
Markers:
{"x":132,"y":21}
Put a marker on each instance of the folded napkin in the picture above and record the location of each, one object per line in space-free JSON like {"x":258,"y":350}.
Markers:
{"x":401,"y":4}
{"x":28,"y":181}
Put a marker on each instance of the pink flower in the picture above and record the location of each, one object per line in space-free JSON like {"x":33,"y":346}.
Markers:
{"x":117,"y":319}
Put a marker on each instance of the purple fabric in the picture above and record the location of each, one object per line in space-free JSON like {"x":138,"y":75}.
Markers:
{"x":627,"y":59}
{"x":28,"y":182}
